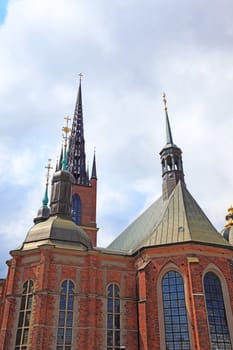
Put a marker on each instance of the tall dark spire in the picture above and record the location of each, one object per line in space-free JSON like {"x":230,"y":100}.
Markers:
{"x":76,"y":152}
{"x":171,"y":159}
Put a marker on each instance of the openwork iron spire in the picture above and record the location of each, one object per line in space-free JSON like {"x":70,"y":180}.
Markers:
{"x":76,"y":152}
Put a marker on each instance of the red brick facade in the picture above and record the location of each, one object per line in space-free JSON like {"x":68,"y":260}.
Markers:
{"x":139,"y":279}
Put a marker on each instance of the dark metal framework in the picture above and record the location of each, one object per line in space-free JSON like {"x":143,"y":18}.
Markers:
{"x":175,"y":313}
{"x":22,"y":335}
{"x":218,"y":327}
{"x":113,"y":317}
{"x":65,"y":322}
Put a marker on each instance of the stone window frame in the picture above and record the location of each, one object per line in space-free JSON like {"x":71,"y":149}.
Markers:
{"x":24,"y":318}
{"x":67,"y":311}
{"x":226,"y":298}
{"x":172,"y":267}
{"x":113,"y":313}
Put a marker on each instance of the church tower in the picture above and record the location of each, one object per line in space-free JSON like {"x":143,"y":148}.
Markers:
{"x":84,"y":188}
{"x":171,"y":159}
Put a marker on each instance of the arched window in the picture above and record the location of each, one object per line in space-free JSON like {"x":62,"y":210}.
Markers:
{"x":24,"y":316}
{"x":76,"y":209}
{"x":219,"y":332}
{"x":113,"y":317}
{"x":65,"y":321}
{"x":175,"y":314}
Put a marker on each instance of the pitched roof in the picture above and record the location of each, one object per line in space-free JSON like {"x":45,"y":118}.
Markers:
{"x":176,"y":220}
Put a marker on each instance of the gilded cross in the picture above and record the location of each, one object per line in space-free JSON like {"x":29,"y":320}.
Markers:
{"x":66,"y":129}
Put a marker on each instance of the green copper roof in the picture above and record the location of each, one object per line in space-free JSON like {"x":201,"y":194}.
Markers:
{"x":57,"y":229}
{"x":176,"y":220}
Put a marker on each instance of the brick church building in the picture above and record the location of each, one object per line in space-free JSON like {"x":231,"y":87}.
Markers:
{"x":165,"y":283}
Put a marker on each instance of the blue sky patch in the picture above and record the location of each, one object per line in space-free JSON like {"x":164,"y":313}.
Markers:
{"x":3,"y":10}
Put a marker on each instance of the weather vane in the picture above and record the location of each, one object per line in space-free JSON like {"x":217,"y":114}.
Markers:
{"x":165,"y":101}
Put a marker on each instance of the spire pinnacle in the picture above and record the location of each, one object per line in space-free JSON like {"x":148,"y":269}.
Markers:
{"x":80,"y":77}
{"x":93,"y":173}
{"x":46,"y":199}
{"x":169,"y":140}
{"x":66,"y":131}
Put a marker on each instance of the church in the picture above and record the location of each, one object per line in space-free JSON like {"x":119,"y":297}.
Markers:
{"x":165,"y":283}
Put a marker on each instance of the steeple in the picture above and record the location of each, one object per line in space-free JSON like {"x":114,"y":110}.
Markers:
{"x":84,"y":189}
{"x":171,"y":159}
{"x":76,"y":161}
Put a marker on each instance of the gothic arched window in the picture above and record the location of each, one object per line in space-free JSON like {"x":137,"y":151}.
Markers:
{"x":219,"y":332}
{"x":24,"y":316}
{"x":113,"y":317}
{"x":175,"y":314}
{"x":76,"y":209}
{"x":65,"y":321}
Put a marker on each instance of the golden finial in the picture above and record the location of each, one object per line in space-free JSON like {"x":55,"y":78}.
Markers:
{"x":229,"y":217}
{"x":66,"y":130}
{"x":165,"y":101}
{"x":48,"y":167}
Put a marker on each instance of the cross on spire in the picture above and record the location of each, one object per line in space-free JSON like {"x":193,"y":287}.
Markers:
{"x":66,"y":130}
{"x":80,"y":76}
{"x":48,"y":167}
{"x":165,"y":101}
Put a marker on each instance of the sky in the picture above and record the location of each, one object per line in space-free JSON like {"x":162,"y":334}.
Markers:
{"x":129,"y":52}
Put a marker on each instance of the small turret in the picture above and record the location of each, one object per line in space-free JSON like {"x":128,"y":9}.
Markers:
{"x":43,"y":212}
{"x":93,"y":172}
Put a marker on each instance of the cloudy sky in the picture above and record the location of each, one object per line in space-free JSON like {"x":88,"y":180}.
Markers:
{"x":129,"y":52}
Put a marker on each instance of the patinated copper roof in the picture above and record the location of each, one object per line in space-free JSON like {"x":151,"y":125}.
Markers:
{"x":176,"y":220}
{"x":57,"y":230}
